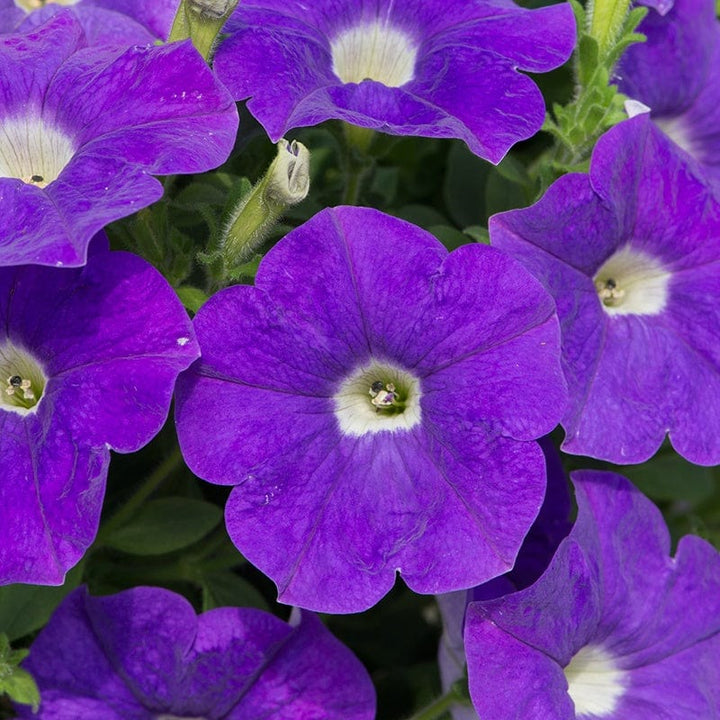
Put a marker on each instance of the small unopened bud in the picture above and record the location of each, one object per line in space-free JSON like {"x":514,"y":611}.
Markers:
{"x":212,"y":8}
{"x":288,"y":179}
{"x":286,"y":183}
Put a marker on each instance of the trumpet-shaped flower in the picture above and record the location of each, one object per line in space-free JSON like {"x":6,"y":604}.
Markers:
{"x":436,"y":68}
{"x":144,"y":654}
{"x":82,"y":130}
{"x":631,"y":254}
{"x":614,"y":629}
{"x":88,"y":361}
{"x":549,"y":529}
{"x":105,"y":22}
{"x":374,"y":400}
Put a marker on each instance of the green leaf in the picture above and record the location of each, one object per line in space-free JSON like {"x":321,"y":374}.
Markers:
{"x":191,"y":297}
{"x":503,"y":194}
{"x":26,"y":608}
{"x":464,"y":186}
{"x":478,"y":233}
{"x":385,"y":184}
{"x":670,"y":477}
{"x":450,"y":237}
{"x":164,"y":525}
{"x":20,"y":686}
{"x":204,"y":190}
{"x":420,"y":215}
{"x":226,"y":589}
{"x":588,"y":52}
{"x":512,"y":169}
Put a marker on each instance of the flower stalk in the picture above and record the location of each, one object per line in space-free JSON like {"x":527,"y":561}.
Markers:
{"x":457,"y":695}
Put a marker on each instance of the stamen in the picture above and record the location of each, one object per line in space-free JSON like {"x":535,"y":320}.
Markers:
{"x":610,"y":294}
{"x":383,"y":396}
{"x":15,"y":383}
{"x":365,"y":403}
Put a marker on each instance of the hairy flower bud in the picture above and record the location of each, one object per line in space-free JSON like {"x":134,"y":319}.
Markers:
{"x":288,"y":179}
{"x":212,"y":8}
{"x":285,"y":183}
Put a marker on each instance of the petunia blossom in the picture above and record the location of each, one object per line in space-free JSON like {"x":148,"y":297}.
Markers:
{"x":615,"y":628}
{"x":105,"y":22}
{"x":436,"y":68}
{"x":374,"y":400}
{"x":631,"y":254}
{"x":83,"y":129}
{"x":88,"y":361}
{"x":675,"y":74}
{"x":144,"y":654}
{"x":551,"y":526}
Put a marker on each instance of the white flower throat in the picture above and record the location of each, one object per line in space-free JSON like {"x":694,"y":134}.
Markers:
{"x":22,"y":380}
{"x":376,"y":398}
{"x":595,"y":683}
{"x":374,"y":51}
{"x":631,"y":282}
{"x":33,"y":151}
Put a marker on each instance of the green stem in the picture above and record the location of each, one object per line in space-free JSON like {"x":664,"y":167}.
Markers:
{"x":439,"y":707}
{"x":353,"y":182}
{"x":357,"y":160}
{"x":171,"y":463}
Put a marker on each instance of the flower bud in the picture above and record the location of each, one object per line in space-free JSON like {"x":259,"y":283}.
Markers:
{"x":288,"y":179}
{"x":285,"y":183}
{"x":212,"y":8}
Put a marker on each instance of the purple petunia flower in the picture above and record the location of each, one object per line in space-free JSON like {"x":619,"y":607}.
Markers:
{"x":88,"y":361}
{"x":631,"y":254}
{"x":105,"y":22}
{"x":82,"y":129}
{"x":675,"y":73}
{"x":614,"y":629}
{"x":143,"y":654}
{"x":661,"y":6}
{"x":551,"y":526}
{"x":376,"y":410}
{"x":436,"y":68}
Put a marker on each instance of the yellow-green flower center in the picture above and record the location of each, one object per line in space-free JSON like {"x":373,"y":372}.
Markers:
{"x":22,"y":380}
{"x":30,"y":5}
{"x":378,"y":397}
